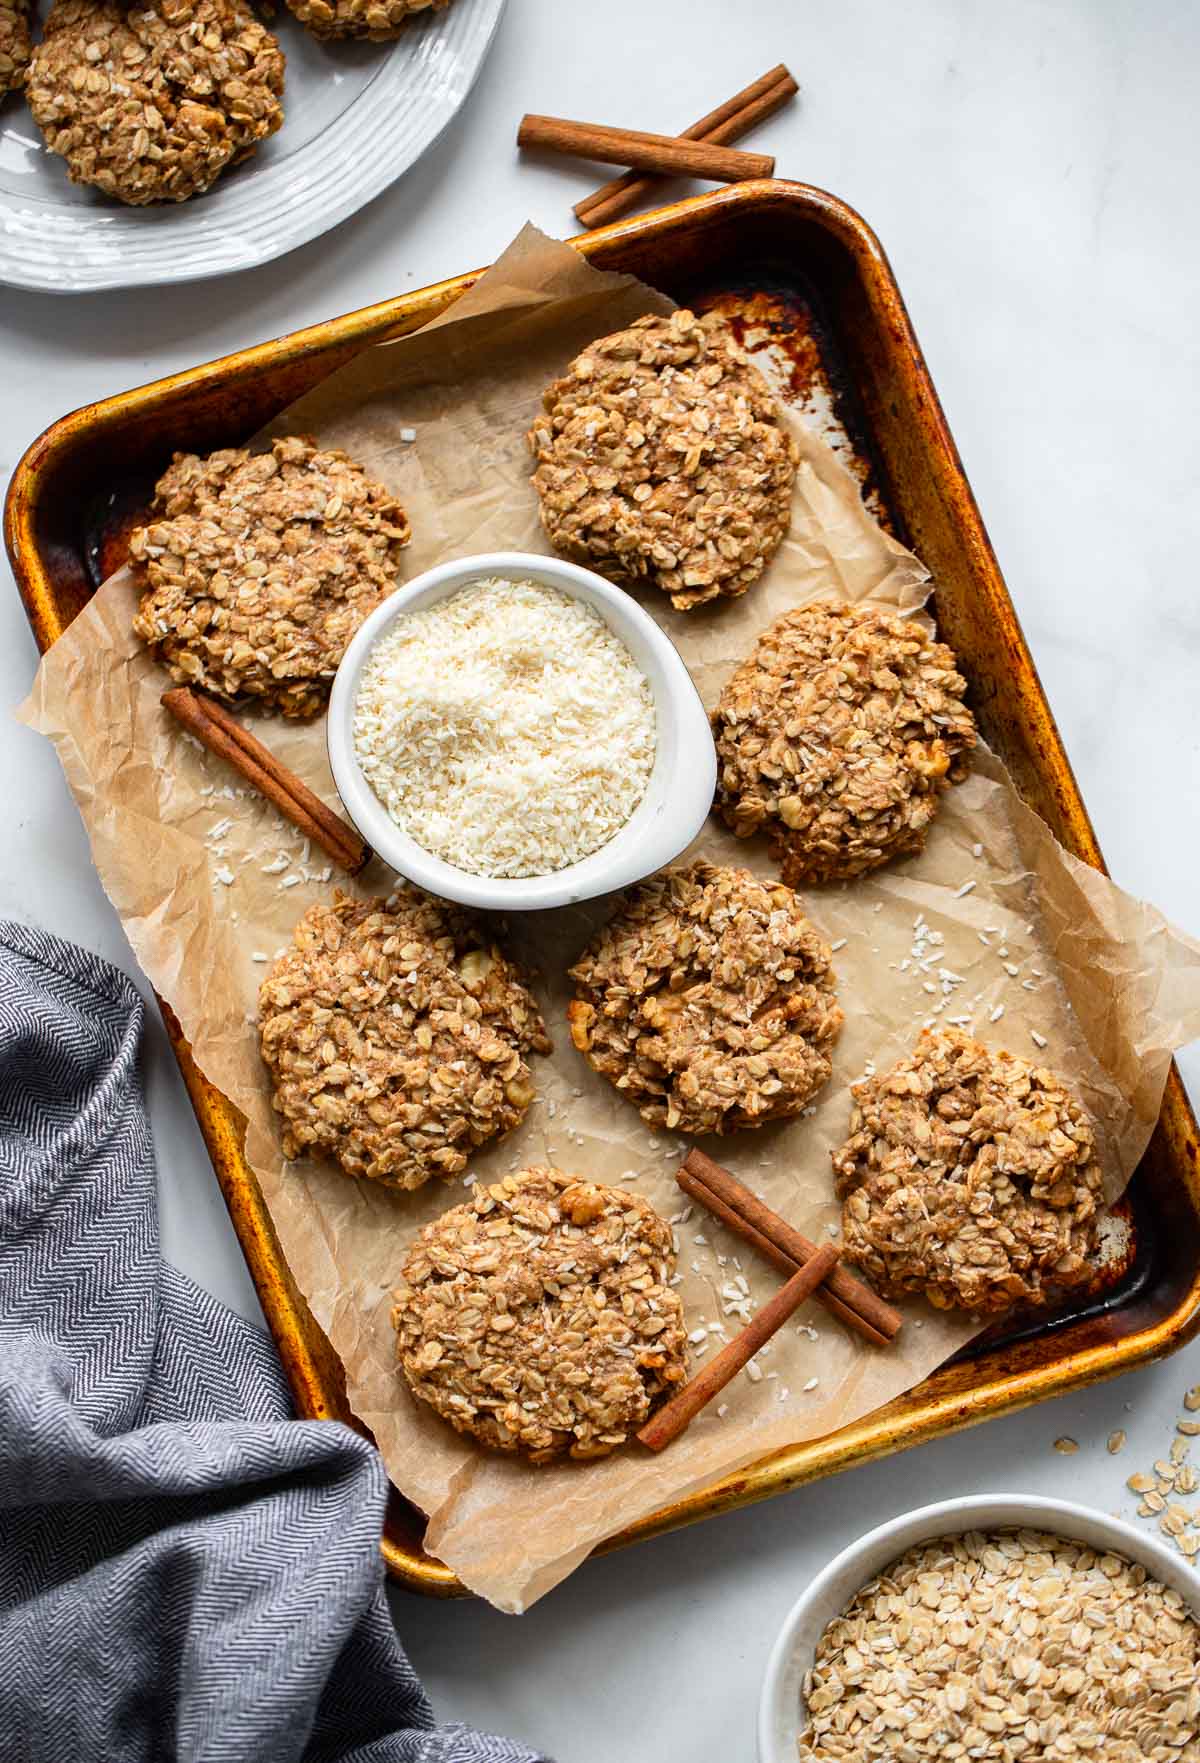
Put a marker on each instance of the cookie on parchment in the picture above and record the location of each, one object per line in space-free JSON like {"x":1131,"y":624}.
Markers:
{"x":151,"y":102}
{"x":838,"y":737}
{"x":378,"y":20}
{"x":539,"y":1316}
{"x":258,"y":568}
{"x":661,"y":458}
{"x":709,"y":1000}
{"x":970,"y":1176}
{"x":15,"y":44}
{"x":395,"y":1032}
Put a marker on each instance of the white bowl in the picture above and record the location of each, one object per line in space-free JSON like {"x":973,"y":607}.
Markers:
{"x":779,"y":1720}
{"x":678,"y":795}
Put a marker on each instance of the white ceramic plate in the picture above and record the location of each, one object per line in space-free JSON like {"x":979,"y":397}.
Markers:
{"x":356,"y":116}
{"x":847,"y":1573}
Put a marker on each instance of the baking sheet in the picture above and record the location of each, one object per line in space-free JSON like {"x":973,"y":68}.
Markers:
{"x":206,"y":878}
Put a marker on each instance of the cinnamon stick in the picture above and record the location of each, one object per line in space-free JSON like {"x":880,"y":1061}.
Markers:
{"x":722,"y":126}
{"x":224,"y":735}
{"x":741,"y":1227}
{"x":853,"y":1293}
{"x":665,"y":154}
{"x":665,"y":1426}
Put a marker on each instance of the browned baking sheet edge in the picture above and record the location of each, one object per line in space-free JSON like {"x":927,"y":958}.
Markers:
{"x":961,"y":1394}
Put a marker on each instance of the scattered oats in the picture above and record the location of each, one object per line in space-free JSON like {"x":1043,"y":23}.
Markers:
{"x":1164,"y":1470}
{"x":1179,"y":1450}
{"x":1190,"y":1543}
{"x":1067,"y":1446}
{"x":1154,"y":1502}
{"x":1189,"y":1428}
{"x":1116,"y":1441}
{"x":1192,"y":1400}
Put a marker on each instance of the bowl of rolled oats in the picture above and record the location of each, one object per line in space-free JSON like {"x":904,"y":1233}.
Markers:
{"x":990,"y":1627}
{"x":513,"y":732}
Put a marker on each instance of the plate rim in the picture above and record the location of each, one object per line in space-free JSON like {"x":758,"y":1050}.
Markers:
{"x":38,"y":276}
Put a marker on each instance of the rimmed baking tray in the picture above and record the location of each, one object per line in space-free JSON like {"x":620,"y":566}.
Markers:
{"x":793,"y":265}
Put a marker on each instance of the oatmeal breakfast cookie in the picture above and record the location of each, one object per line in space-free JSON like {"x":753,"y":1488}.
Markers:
{"x":395,"y":1031}
{"x":14,"y":44}
{"x":661,"y":458}
{"x":379,"y":20}
{"x":258,"y":568}
{"x":539,"y":1316}
{"x":969,"y":1176}
{"x":709,"y":1001}
{"x":150,"y":102}
{"x":838,"y":736}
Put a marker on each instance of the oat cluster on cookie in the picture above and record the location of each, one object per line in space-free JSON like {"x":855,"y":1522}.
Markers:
{"x":377,"y":20}
{"x":15,"y":44}
{"x":258,"y":568}
{"x":970,"y":1176}
{"x":539,"y":1316}
{"x":838,"y":737}
{"x":709,"y":1000}
{"x":395,"y":1032}
{"x":150,"y":102}
{"x":662,"y":458}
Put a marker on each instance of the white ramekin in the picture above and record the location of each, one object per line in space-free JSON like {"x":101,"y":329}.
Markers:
{"x":792,"y":1655}
{"x":667,"y":819}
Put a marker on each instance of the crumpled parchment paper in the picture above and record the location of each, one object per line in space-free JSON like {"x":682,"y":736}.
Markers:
{"x":994,"y":924}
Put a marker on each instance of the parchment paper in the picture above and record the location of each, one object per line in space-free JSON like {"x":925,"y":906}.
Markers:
{"x":206,"y":878}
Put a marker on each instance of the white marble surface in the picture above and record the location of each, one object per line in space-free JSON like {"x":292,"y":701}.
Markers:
{"x":1031,"y":169}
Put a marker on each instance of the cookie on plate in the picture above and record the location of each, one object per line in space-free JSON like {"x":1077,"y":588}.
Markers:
{"x":661,"y":458}
{"x":838,"y":737}
{"x":971,"y":1177}
{"x":15,"y":44}
{"x":395,"y":1032}
{"x":258,"y":568}
{"x":378,"y":20}
{"x":709,"y":1000}
{"x":539,"y":1316}
{"x":151,"y":102}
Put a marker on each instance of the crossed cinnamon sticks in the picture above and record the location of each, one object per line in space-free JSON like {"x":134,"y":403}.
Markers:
{"x":814,"y":1272}
{"x":702,"y":151}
